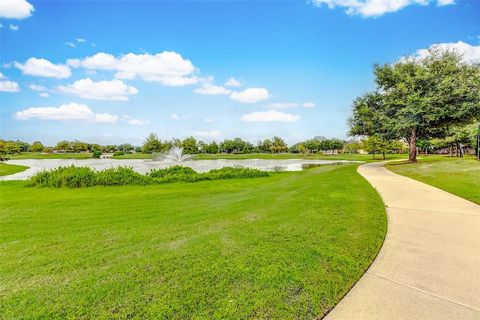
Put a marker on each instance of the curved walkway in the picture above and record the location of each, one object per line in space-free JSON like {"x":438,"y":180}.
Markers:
{"x":429,"y":265}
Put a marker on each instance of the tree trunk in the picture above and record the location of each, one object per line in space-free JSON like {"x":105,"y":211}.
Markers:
{"x":383,"y":154}
{"x":412,"y":148}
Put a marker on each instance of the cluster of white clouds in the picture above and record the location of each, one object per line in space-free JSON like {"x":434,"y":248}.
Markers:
{"x":101,"y":90}
{"x":15,"y":9}
{"x":270,"y":116}
{"x":43,"y":68}
{"x":273,"y":115}
{"x":73,"y":44}
{"x":71,"y":111}
{"x":74,"y":112}
{"x":249,"y":95}
{"x":42,"y":91}
{"x":376,"y":8}
{"x":7,"y":85}
{"x":168,"y":68}
{"x":469,"y":53}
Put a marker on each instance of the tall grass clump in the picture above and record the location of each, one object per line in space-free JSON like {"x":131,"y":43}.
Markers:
{"x":77,"y":177}
{"x":71,"y":177}
{"x":235,"y":173}
{"x":120,"y":176}
{"x":175,"y":174}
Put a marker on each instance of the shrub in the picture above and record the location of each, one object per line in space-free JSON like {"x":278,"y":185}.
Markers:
{"x":71,"y":177}
{"x":231,"y":173}
{"x":120,"y":176}
{"x":119,"y":153}
{"x":174,"y":170}
{"x":96,"y":154}
{"x":175,"y":174}
{"x":77,"y":177}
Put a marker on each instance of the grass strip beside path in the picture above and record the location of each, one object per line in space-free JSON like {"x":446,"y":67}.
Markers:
{"x":288,"y":246}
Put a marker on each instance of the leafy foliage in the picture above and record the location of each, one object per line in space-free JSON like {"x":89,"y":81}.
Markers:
{"x":419,"y":99}
{"x":77,"y":177}
{"x":96,"y":154}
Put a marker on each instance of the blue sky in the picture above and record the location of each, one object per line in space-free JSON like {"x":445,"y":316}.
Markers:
{"x":113,"y":71}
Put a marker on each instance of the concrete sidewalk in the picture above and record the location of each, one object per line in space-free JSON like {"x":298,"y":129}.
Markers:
{"x":429,"y":265}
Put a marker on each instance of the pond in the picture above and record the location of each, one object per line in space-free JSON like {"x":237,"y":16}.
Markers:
{"x":144,"y":166}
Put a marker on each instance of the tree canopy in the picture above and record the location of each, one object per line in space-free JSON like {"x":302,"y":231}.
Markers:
{"x":419,"y":99}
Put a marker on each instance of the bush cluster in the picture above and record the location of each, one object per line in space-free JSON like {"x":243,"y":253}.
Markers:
{"x":78,"y":177}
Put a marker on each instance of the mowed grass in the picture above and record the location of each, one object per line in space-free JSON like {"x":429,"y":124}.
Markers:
{"x":288,"y":246}
{"x":460,"y":176}
{"x":36,"y":155}
{"x":8,"y":169}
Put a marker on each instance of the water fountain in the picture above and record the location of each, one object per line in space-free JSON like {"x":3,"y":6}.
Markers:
{"x":175,"y":154}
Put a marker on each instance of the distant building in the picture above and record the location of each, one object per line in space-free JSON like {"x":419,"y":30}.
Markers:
{"x":106,"y":156}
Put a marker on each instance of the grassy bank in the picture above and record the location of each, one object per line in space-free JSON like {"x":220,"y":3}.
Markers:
{"x":285,"y":246}
{"x":36,"y":155}
{"x":455,"y":175}
{"x":352,"y":157}
{"x":8,"y":169}
{"x":317,"y":156}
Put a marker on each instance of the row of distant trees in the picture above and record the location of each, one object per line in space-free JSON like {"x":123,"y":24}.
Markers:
{"x":459,"y":138}
{"x":237,"y":145}
{"x":190,"y":145}
{"x":425,"y":102}
{"x":12,"y":147}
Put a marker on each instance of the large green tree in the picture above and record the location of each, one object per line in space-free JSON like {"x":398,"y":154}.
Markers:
{"x":419,"y":98}
{"x":152,"y":144}
{"x":37,"y":146}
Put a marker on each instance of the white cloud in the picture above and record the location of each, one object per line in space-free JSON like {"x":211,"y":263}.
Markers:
{"x":15,"y":9}
{"x":270,"y":116}
{"x":70,"y":44}
{"x":1,"y":25}
{"x":43,"y":68}
{"x":14,"y":27}
{"x":81,"y":40}
{"x":2,"y":76}
{"x":308,"y":105}
{"x":101,"y":90}
{"x":135,"y":122}
{"x":71,"y":111}
{"x":9,"y":86}
{"x":232,"y":82}
{"x":210,"y":89}
{"x":250,"y":95}
{"x":289,"y":105}
{"x":445,"y":2}
{"x":168,"y":67}
{"x":175,"y":116}
{"x":40,"y":89}
{"x":376,"y":8}
{"x":471,"y":54}
{"x":37,"y":88}
{"x":209,"y":120}
{"x":208,"y":134}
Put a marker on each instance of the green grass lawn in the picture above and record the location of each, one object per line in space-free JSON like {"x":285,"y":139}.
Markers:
{"x":36,"y":155}
{"x":288,"y":246}
{"x":455,"y":175}
{"x":7,"y":169}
